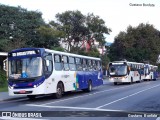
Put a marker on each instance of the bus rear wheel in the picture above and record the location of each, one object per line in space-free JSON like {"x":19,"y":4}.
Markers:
{"x":154,"y":79}
{"x":115,"y":83}
{"x":89,"y":89}
{"x":59,"y":91}
{"x":31,"y":97}
{"x":140,"y":80}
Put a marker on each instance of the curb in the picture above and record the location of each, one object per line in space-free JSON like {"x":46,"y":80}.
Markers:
{"x":16,"y":98}
{"x":5,"y":97}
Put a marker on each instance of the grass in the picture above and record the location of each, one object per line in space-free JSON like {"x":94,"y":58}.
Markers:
{"x":4,"y":88}
{"x":3,"y":81}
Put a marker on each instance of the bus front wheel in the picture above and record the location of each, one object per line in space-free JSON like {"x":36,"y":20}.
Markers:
{"x":131,"y":80}
{"x":59,"y":91}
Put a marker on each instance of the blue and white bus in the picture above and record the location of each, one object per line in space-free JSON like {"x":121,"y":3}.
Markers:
{"x":36,"y":71}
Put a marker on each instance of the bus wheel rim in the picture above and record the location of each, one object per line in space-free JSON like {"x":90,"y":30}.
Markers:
{"x":90,"y":87}
{"x":59,"y":91}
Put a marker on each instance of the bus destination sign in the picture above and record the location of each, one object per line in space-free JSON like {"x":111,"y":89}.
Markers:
{"x":24,"y":53}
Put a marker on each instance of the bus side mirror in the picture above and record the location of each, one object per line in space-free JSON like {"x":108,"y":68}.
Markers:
{"x":47,"y":63}
{"x":5,"y":65}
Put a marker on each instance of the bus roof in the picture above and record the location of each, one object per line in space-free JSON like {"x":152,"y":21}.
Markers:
{"x":3,"y":53}
{"x":71,"y":54}
{"x":126,"y":62}
{"x":56,"y":52}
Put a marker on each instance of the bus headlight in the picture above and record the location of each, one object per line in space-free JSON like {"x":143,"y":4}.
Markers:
{"x":34,"y":86}
{"x":111,"y":79}
{"x":12,"y":87}
{"x":123,"y":78}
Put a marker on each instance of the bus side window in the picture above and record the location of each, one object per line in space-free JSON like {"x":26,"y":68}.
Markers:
{"x":72,"y":65}
{"x":89,"y":65}
{"x":58,"y":62}
{"x":132,"y":67}
{"x":48,"y":63}
{"x":65,"y":63}
{"x":84,"y":64}
{"x":94,"y":64}
{"x":98,"y":65}
{"x":78,"y":64}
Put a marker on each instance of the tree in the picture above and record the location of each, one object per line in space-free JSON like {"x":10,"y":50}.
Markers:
{"x":79,"y":29}
{"x":93,"y":52}
{"x":105,"y":60}
{"x":48,"y":37}
{"x":18,"y":27}
{"x":138,"y":44}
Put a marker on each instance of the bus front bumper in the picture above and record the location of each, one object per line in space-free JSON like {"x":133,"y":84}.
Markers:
{"x":118,"y":79}
{"x":27,"y":91}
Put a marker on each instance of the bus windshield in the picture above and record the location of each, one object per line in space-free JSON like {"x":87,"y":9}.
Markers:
{"x":25,"y":68}
{"x":117,"y":70}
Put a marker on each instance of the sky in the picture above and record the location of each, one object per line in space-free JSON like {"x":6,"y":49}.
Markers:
{"x":117,"y":14}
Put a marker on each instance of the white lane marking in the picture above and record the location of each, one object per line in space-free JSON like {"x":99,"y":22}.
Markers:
{"x":126,"y":97}
{"x":158,"y":118}
{"x":68,"y":107}
{"x":84,"y":95}
{"x":12,"y":118}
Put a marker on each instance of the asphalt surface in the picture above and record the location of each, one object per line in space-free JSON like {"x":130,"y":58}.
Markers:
{"x":104,"y":102}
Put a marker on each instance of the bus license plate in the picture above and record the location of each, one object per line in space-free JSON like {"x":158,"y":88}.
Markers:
{"x":22,"y":91}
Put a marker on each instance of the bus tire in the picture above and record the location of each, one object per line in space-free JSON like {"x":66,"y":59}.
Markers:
{"x":59,"y":91}
{"x":31,"y":97}
{"x":89,"y":88}
{"x":115,"y":83}
{"x":131,"y":80}
{"x":140,"y":79}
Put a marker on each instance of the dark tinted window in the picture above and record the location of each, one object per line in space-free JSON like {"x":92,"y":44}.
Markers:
{"x":84,"y":64}
{"x":65,"y":62}
{"x":78,"y":64}
{"x":58,"y":62}
{"x":72,"y":64}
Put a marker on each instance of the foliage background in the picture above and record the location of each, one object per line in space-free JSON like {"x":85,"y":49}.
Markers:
{"x":22,"y":28}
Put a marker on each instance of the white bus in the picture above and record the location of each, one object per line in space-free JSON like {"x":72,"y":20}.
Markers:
{"x":150,"y":72}
{"x":155,"y":73}
{"x":125,"y":72}
{"x":35,"y":71}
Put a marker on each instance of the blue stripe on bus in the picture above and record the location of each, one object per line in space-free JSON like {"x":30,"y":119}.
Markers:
{"x":82,"y":78}
{"x":26,"y":85}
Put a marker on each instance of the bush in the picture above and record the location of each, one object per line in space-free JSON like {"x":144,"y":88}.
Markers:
{"x":3,"y":78}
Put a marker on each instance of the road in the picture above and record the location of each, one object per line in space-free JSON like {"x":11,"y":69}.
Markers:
{"x":125,"y":98}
